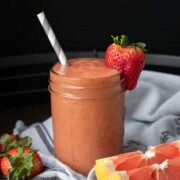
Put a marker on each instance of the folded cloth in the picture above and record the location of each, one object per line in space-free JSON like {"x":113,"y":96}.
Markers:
{"x":152,"y":111}
{"x":152,"y":117}
{"x":42,"y":140}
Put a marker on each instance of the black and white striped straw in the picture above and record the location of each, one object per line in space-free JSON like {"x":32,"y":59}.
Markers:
{"x":52,"y":38}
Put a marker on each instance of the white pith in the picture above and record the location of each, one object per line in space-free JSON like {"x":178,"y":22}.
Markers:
{"x":149,"y":154}
{"x":163,"y":165}
{"x":110,"y":167}
{"x":124,"y":175}
{"x":156,"y":166}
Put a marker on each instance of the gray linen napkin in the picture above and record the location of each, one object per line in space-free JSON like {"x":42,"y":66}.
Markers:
{"x":152,"y":117}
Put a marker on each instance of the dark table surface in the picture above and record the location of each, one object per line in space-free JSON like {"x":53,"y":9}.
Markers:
{"x":29,"y":114}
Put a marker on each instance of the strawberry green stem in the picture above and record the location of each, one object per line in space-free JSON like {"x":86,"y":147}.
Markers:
{"x":21,"y":164}
{"x":125,"y":42}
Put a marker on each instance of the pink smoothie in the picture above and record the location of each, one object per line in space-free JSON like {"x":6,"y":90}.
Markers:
{"x":87,"y":102}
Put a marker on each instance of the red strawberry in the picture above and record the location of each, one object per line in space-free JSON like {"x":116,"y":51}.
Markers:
{"x":21,"y":163}
{"x":127,"y":58}
{"x":9,"y":141}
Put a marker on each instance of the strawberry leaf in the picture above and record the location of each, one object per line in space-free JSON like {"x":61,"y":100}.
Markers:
{"x":15,"y":142}
{"x":124,"y":42}
{"x":22,"y":164}
{"x":3,"y":154}
{"x":141,"y":45}
{"x":15,"y":174}
{"x":26,"y":141}
{"x":116,"y":39}
{"x":4,"y":140}
{"x":12,"y":175}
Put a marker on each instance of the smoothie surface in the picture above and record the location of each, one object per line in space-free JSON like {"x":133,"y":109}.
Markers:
{"x":89,"y":68}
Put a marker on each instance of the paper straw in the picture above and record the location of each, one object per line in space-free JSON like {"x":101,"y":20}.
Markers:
{"x":52,"y":38}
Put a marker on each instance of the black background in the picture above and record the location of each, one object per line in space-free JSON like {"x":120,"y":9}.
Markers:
{"x":80,"y":26}
{"x":86,"y":25}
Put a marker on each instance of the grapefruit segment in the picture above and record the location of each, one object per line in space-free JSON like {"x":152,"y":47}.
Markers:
{"x":124,"y":161}
{"x":162,"y":152}
{"x":160,"y":162}
{"x":144,"y":173}
{"x":162,"y":175}
{"x":167,"y":170}
{"x":171,"y":169}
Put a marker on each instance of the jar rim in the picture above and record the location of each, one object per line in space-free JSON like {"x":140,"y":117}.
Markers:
{"x":71,"y":96}
{"x":86,"y":87}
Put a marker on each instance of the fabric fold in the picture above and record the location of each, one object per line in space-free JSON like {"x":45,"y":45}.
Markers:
{"x":152,"y":117}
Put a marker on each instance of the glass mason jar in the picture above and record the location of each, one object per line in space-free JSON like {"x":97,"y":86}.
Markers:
{"x":87,"y":105}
